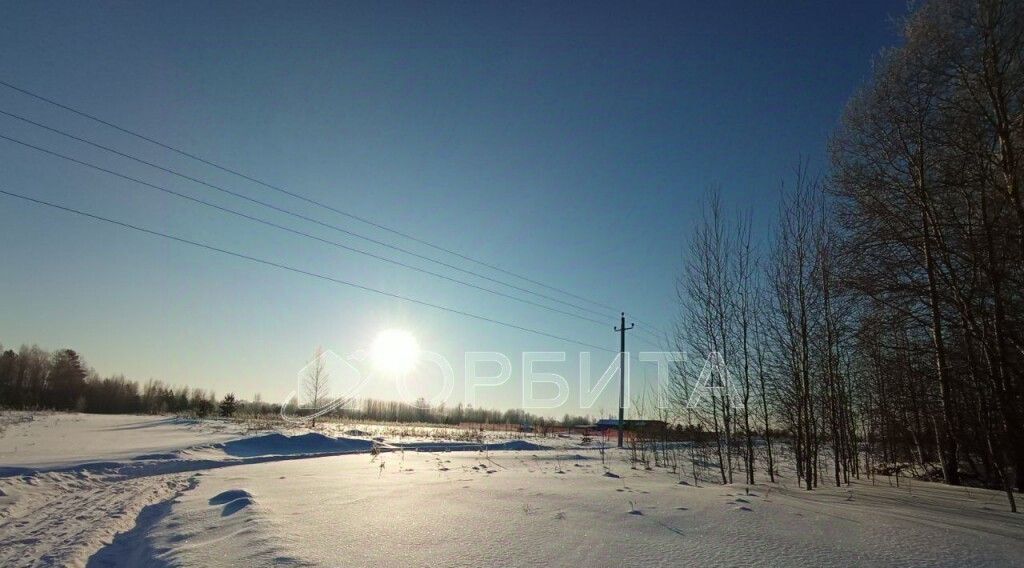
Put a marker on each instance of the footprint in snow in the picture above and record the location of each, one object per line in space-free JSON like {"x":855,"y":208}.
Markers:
{"x":236,"y":506}
{"x":234,"y":500}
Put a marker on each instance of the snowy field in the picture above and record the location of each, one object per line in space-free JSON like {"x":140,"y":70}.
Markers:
{"x":86,"y":490}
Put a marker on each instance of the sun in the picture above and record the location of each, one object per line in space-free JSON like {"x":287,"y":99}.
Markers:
{"x":394,"y":351}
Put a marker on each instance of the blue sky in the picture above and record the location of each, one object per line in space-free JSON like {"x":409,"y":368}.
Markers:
{"x":568,"y":143}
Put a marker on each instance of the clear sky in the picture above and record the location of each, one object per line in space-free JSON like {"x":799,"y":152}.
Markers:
{"x":567,"y":142}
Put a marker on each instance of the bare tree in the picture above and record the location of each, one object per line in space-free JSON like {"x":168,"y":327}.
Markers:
{"x":705,"y":296}
{"x":794,"y":304}
{"x":743,"y":299}
{"x":315,"y":384}
{"x":928,"y":172}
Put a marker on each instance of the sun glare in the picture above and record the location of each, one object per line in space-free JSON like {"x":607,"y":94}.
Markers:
{"x":394,"y":351}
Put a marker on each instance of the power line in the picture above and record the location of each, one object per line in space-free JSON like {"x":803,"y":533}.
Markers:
{"x":322,"y":240}
{"x":658,"y":335}
{"x":648,"y":328}
{"x":648,"y":341}
{"x":643,"y":328}
{"x":287,"y":192}
{"x":274,"y":225}
{"x":301,"y":197}
{"x":280,"y":266}
{"x":263,"y":204}
{"x":306,"y":199}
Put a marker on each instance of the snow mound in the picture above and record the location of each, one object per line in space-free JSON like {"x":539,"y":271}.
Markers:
{"x":230,"y":495}
{"x":281,"y":445}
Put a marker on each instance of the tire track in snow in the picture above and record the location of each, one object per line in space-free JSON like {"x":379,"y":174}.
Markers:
{"x":63,"y":519}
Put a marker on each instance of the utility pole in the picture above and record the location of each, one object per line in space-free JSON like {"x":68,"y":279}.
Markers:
{"x":622,"y":370}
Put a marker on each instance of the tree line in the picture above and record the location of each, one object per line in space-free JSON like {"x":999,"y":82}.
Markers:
{"x":421,"y":411}
{"x":316,"y":399}
{"x":881,"y":325}
{"x":32,"y":378}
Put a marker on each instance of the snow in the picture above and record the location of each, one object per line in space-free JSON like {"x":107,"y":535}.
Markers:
{"x":207,"y":494}
{"x":54,"y":440}
{"x":507,"y":508}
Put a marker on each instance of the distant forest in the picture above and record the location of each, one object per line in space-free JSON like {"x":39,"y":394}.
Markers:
{"x":33,"y":378}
